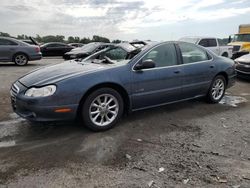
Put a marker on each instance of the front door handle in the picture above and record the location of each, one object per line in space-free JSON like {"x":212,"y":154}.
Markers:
{"x":177,"y":71}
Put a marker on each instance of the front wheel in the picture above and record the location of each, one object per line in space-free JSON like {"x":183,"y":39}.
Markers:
{"x":217,"y":89}
{"x":102,"y":109}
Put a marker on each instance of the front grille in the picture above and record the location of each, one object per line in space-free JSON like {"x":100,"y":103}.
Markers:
{"x":236,"y":48}
{"x":243,"y":63}
{"x":14,"y":90}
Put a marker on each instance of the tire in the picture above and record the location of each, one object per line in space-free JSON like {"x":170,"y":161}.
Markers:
{"x":217,"y":89}
{"x":104,"y":115}
{"x":20,"y":59}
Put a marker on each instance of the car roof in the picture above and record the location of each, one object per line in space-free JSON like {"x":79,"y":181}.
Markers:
{"x":14,"y":40}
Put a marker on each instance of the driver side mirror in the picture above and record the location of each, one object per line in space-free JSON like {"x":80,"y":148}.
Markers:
{"x":147,"y":64}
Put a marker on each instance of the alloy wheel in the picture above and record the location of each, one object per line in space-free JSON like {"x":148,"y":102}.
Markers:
{"x":21,"y":59}
{"x":218,"y":89}
{"x":103,"y":109}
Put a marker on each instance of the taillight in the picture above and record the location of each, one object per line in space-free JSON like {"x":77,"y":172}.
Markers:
{"x":37,"y":49}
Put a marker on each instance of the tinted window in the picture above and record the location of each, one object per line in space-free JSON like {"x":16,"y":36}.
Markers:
{"x":192,"y":53}
{"x":7,"y":42}
{"x":164,"y":55}
{"x":56,"y":45}
{"x":212,"y":43}
{"x":61,"y":45}
{"x":204,"y":42}
{"x":116,"y":54}
{"x":208,"y":42}
{"x":51,"y":45}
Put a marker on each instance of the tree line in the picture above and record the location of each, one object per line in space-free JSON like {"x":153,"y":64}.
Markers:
{"x":61,"y":38}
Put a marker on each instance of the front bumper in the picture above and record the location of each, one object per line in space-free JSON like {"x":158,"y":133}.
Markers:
{"x":243,"y":74}
{"x":43,"y":113}
{"x":243,"y":70}
{"x":32,"y":110}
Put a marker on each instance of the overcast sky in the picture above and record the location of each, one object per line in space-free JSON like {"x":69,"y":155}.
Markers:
{"x":124,"y":19}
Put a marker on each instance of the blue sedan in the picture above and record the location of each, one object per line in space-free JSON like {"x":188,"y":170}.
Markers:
{"x":104,"y":86}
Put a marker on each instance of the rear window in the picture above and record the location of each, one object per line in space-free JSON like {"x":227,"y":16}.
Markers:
{"x":192,"y":53}
{"x":7,"y":42}
{"x":208,"y":42}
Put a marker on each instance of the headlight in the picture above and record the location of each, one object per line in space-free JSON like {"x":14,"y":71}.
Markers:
{"x":41,"y":92}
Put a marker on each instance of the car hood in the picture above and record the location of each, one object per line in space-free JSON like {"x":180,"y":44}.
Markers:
{"x":56,"y":73}
{"x":78,"y":51}
{"x":244,"y":58}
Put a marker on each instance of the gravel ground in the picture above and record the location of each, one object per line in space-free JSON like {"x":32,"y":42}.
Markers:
{"x":189,"y":144}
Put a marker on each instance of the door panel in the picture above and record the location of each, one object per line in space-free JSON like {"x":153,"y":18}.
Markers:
{"x":7,"y":49}
{"x":4,"y":52}
{"x":198,"y":70}
{"x":158,"y":85}
{"x":197,"y":78}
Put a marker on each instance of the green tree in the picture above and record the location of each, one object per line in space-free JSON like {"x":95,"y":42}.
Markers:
{"x":85,"y":40}
{"x":2,"y":34}
{"x":97,"y":38}
{"x":71,"y":39}
{"x":52,"y":38}
{"x":38,"y":38}
{"x":116,"y":41}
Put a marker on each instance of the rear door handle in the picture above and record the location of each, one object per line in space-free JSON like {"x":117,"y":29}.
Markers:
{"x":211,"y":66}
{"x":177,"y":71}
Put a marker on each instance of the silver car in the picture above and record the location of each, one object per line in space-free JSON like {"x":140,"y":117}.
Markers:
{"x":13,"y":50}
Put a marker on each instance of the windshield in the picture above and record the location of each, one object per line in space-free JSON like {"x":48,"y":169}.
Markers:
{"x":112,"y":55}
{"x":241,"y":38}
{"x":190,"y":40}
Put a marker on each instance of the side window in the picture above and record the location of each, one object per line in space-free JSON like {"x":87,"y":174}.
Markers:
{"x":116,"y":54}
{"x":164,"y":55}
{"x":222,"y":42}
{"x":212,"y":43}
{"x":204,"y":43}
{"x":7,"y":42}
{"x":51,"y":45}
{"x":61,"y":45}
{"x":191,"y":53}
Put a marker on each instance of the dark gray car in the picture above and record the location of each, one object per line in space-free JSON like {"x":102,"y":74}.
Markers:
{"x":102,"y":87}
{"x":17,"y":51}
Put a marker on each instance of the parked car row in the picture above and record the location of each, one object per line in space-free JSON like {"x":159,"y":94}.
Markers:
{"x":18,"y":52}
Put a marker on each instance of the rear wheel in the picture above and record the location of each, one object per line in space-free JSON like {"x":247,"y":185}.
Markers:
{"x":20,"y":59}
{"x":217,"y":89}
{"x":102,"y":109}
